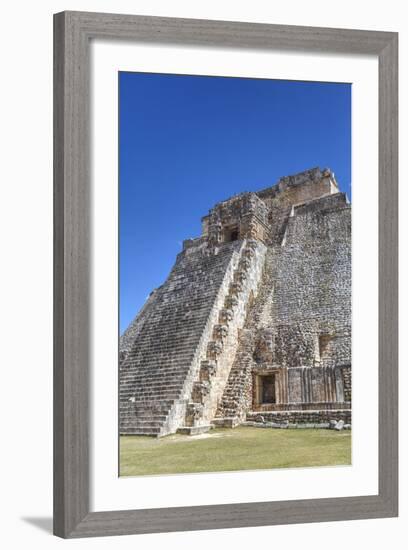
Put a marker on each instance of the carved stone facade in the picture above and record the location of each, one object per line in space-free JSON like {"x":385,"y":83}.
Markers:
{"x":254,"y":320}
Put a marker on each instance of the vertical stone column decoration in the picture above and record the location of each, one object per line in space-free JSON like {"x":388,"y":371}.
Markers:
{"x":346,"y":371}
{"x":330,"y":385}
{"x":252,"y":230}
{"x":214,"y":230}
{"x":339,"y":385}
{"x":254,"y":217}
{"x":306,"y":385}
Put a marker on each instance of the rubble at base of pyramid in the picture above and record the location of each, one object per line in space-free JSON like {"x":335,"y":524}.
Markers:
{"x":253,"y":324}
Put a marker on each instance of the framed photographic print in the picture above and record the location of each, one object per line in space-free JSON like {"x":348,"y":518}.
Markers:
{"x":225,"y":274}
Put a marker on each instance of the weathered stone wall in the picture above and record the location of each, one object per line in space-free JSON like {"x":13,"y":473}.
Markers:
{"x":300,"y":327}
{"x":316,"y":417}
{"x":311,"y":313}
{"x":237,"y":397}
{"x":300,"y":188}
{"x":246,"y":215}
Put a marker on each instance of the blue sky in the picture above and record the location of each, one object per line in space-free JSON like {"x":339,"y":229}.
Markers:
{"x":187,"y":142}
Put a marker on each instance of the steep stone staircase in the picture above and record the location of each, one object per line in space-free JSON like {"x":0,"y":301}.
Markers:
{"x":157,"y":373}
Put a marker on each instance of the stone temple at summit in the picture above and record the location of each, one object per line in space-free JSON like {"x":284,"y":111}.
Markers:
{"x":253,"y":323}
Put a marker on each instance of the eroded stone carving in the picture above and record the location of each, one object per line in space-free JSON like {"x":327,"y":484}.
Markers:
{"x":236,"y":289}
{"x":200,"y":391}
{"x":208,"y":370}
{"x":214,"y":349}
{"x":220,"y":332}
{"x":226,"y":315}
{"x":231,"y":302}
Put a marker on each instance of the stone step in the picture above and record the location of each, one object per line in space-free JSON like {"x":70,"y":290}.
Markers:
{"x":164,"y":371}
{"x":141,"y":406}
{"x":140,"y":431}
{"x":133,"y":420}
{"x":143,"y":400}
{"x":137,"y":388}
{"x":145,"y":411}
{"x":172,"y":326}
{"x":145,"y":417}
{"x":158,"y":327}
{"x":152,"y":384}
{"x":164,"y":375}
{"x":147,"y":397}
{"x":140,"y":424}
{"x":139,"y":380}
{"x":164,"y":354}
{"x":166,"y":313}
{"x":138,"y":393}
{"x":141,"y":393}
{"x":180,"y":336}
{"x":167,"y":341}
{"x":157,"y":378}
{"x":169,"y":364}
{"x":154,"y":366}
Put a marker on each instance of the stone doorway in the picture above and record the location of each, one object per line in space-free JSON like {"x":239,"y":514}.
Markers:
{"x":231,"y":234}
{"x":268,"y":390}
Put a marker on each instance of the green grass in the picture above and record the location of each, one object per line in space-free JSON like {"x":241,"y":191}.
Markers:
{"x":242,"y":448}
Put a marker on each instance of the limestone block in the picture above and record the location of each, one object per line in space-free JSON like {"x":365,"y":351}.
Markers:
{"x":244,"y":264}
{"x":240,"y":276}
{"x":208,"y":370}
{"x":200,"y":391}
{"x":226,"y":315}
{"x":214,"y":349}
{"x":193,"y":413}
{"x":220,"y":331}
{"x":231,"y":302}
{"x":236,"y":289}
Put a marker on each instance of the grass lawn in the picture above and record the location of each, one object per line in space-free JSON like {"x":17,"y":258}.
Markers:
{"x":242,"y":448}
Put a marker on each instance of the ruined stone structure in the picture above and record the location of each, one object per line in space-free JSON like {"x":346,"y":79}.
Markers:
{"x":254,"y":320}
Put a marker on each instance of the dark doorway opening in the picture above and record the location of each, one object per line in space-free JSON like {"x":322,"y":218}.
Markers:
{"x":232,"y":234}
{"x":268,"y":394}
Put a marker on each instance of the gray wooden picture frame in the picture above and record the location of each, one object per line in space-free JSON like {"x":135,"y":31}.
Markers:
{"x":72,"y":34}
